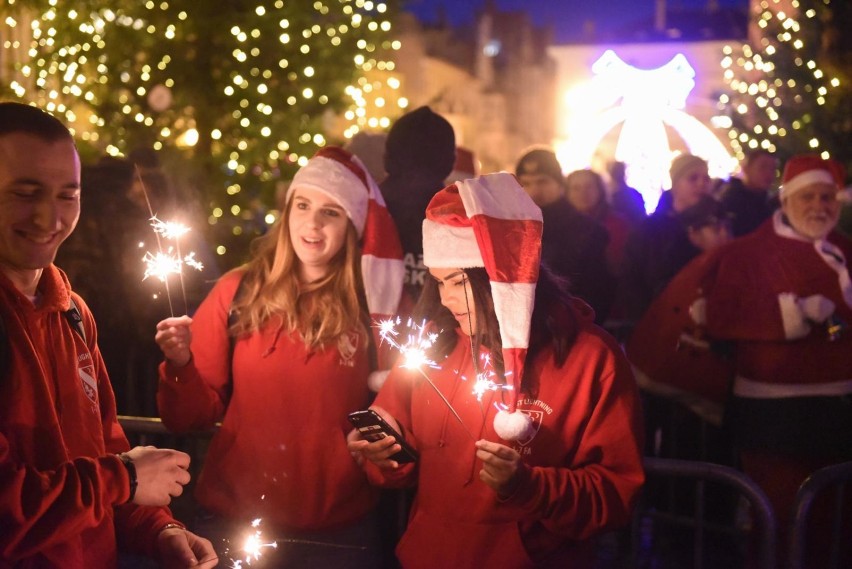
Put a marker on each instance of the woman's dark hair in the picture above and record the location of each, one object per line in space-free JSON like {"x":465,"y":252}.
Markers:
{"x":553,"y":322}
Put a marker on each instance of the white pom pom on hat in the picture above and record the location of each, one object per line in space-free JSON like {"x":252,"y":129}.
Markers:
{"x":491,"y":222}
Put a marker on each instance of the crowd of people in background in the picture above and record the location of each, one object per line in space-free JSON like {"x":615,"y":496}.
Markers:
{"x":731,"y":301}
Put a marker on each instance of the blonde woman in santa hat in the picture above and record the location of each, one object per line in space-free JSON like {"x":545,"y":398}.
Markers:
{"x":527,"y":475}
{"x":280,"y":353}
{"x":783,"y":295}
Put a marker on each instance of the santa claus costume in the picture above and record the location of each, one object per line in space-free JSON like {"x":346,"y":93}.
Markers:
{"x":785,"y":299}
{"x":574,"y":422}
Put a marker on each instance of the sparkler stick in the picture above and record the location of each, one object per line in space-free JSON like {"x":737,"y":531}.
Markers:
{"x":255,"y":543}
{"x":164,"y":264}
{"x":173,"y":230}
{"x":159,"y":244}
{"x":414,"y":355}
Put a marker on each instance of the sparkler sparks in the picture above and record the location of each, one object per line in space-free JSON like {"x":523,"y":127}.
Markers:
{"x":169,"y":229}
{"x":253,"y":546}
{"x":415,"y":354}
{"x":165,"y":263}
{"x":484,"y":380}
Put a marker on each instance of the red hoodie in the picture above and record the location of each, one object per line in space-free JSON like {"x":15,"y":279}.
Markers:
{"x":61,"y":485}
{"x":281,"y":452}
{"x":583,"y":465}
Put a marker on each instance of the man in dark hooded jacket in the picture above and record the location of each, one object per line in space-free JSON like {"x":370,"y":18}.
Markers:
{"x":419,"y":155}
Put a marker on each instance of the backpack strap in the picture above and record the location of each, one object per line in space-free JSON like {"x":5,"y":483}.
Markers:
{"x":73,"y":317}
{"x":75,"y":320}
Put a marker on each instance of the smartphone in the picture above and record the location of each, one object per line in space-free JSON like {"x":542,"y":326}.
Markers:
{"x":373,"y":428}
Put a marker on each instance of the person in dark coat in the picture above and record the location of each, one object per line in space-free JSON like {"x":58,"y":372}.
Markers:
{"x":660,"y":246}
{"x":573,"y":244}
{"x":419,"y":154}
{"x":748,"y":199}
{"x":625,"y":200}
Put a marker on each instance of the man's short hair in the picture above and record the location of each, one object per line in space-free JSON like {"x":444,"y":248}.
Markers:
{"x":18,"y":117}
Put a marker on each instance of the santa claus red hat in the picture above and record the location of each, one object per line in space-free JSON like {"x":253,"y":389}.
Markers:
{"x":491,"y":222}
{"x":803,"y":170}
{"x":343,"y":177}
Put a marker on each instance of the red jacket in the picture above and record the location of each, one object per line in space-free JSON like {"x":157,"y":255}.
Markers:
{"x":583,"y":464}
{"x":746,"y":303}
{"x":62,"y":489}
{"x":281,"y":452}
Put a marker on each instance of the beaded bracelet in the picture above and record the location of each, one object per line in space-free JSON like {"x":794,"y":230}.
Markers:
{"x":131,"y":472}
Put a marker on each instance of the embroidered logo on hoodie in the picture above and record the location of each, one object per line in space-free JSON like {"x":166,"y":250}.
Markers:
{"x":86,"y":371}
{"x":537,"y":416}
{"x":347,"y":345}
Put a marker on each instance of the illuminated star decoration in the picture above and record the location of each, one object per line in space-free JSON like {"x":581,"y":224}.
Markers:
{"x":647,"y":103}
{"x":414,"y":353}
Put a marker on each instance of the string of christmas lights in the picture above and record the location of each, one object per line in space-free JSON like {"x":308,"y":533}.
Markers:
{"x":244,"y":92}
{"x":778,"y":90}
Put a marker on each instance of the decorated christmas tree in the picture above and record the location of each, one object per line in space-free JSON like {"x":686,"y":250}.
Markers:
{"x":233,"y":95}
{"x":790,"y":88}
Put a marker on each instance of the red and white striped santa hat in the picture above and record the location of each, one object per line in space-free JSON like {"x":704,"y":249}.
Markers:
{"x":342,"y":176}
{"x":491,"y":222}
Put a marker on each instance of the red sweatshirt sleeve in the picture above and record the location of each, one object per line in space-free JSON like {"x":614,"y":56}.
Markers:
{"x":43,"y":507}
{"x":137,"y":527}
{"x":395,"y":398}
{"x":596,"y":490}
{"x":194,"y":397}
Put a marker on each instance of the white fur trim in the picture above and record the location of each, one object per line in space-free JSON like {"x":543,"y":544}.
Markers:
{"x":512,"y":426}
{"x":698,"y":311}
{"x":336,"y":181}
{"x":792,"y":317}
{"x":513,"y":304}
{"x":383,"y":277}
{"x":816,"y":307}
{"x":745,"y":387}
{"x":708,"y":410}
{"x":497,"y":195}
{"x":377,"y":379}
{"x":448,"y":247}
{"x":805,"y":179}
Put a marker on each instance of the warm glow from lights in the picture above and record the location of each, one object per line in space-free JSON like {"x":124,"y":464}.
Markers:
{"x":644,"y":103}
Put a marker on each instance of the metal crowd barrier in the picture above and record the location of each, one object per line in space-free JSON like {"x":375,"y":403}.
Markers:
{"x":664,"y":469}
{"x":837,"y":476}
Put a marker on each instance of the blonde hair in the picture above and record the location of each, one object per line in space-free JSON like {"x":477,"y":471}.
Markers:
{"x":320,"y":311}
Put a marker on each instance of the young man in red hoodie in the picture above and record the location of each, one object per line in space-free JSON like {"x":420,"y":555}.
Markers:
{"x":70,"y":486}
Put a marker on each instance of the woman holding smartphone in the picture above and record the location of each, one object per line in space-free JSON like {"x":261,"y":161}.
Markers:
{"x":279,"y":353}
{"x":551,"y":455}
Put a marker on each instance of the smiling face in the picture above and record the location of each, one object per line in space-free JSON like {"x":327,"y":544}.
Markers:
{"x":813,"y":211}
{"x":317,"y":226}
{"x":457,"y":297}
{"x":39,"y":204}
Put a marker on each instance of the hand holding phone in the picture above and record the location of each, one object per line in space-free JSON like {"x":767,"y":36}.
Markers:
{"x":373,"y":428}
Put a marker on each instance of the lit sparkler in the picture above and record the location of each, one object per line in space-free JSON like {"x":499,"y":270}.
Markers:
{"x":165,"y":263}
{"x":414,"y":353}
{"x":485,"y":380}
{"x":254,"y":545}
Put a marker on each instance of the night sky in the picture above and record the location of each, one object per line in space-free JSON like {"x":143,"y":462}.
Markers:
{"x":566,"y":16}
